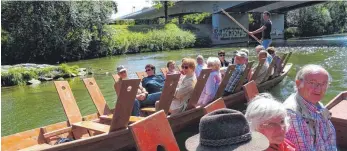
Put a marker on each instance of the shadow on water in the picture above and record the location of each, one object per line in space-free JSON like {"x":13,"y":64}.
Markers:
{"x":27,"y":107}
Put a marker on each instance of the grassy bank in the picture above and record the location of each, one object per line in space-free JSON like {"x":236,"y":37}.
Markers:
{"x":143,"y":38}
{"x":21,"y":75}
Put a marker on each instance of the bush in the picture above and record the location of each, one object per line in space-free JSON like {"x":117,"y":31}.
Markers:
{"x":197,"y":18}
{"x":124,"y":41}
{"x":291,"y":32}
{"x":20,"y":75}
{"x":124,"y":22}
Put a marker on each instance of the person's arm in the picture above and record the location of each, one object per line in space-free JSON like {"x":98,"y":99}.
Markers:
{"x":261,"y":29}
{"x":117,"y":86}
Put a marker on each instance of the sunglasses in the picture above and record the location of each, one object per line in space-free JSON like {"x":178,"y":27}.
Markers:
{"x":123,"y":72}
{"x":221,"y":55}
{"x":184,"y":67}
{"x":148,"y":70}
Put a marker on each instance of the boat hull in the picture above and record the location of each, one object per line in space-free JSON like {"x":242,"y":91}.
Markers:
{"x":337,"y":106}
{"x":123,"y":139}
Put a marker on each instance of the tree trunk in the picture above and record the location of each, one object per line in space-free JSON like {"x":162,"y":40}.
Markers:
{"x":165,"y":11}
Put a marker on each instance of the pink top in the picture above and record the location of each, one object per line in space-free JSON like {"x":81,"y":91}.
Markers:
{"x":210,"y":88}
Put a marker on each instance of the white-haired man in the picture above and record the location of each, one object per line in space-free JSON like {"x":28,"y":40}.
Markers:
{"x":310,"y":126}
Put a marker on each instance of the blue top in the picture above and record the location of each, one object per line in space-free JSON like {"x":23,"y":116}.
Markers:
{"x":154,"y":83}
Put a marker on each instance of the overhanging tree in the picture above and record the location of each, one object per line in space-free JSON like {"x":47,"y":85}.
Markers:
{"x":52,"y":31}
{"x":158,"y":4}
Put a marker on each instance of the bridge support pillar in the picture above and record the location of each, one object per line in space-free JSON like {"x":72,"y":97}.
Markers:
{"x":225,"y":31}
{"x":277,"y":31}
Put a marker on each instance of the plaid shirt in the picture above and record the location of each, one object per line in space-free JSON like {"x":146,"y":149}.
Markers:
{"x":310,"y":128}
{"x":235,"y":78}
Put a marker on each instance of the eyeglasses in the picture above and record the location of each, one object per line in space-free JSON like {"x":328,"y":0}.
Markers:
{"x":184,"y":67}
{"x":148,"y":70}
{"x":317,"y":84}
{"x":282,"y":124}
{"x":221,"y":55}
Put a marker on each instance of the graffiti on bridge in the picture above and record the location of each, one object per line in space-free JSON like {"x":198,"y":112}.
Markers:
{"x":228,"y":33}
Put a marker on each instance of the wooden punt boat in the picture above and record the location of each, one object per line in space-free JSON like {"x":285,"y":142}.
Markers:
{"x":338,"y":108}
{"x":121,"y":139}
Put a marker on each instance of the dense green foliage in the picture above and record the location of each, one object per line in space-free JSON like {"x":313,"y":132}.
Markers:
{"x":53,"y":31}
{"x":20,"y":75}
{"x":154,"y":21}
{"x":325,"y":18}
{"x":197,"y":18}
{"x":130,"y":39}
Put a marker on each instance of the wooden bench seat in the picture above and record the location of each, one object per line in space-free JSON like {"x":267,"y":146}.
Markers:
{"x":152,"y":132}
{"x":148,"y":109}
{"x":251,"y":90}
{"x":36,"y":147}
{"x":122,"y":109}
{"x":141,"y":75}
{"x":132,"y":119}
{"x":215,"y":105}
{"x":93,"y":126}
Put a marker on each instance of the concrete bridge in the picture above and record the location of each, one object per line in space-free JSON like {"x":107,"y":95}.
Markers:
{"x":223,"y":30}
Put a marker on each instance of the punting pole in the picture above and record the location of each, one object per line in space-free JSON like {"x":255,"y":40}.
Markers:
{"x":232,"y":18}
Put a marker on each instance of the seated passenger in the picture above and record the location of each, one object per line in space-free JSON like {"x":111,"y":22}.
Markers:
{"x":260,"y":48}
{"x":201,"y":64}
{"x":142,"y":98}
{"x":212,"y":82}
{"x":269,"y":117}
{"x":153,"y":83}
{"x":246,"y":51}
{"x":171,"y":67}
{"x":277,"y":66}
{"x":260,"y":77}
{"x":185,"y":87}
{"x":310,"y":121}
{"x":223,"y":61}
{"x":240,"y":60}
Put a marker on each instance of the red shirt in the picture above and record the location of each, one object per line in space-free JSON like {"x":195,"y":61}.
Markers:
{"x":286,"y":145}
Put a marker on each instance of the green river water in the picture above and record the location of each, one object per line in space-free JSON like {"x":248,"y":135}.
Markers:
{"x":28,"y":107}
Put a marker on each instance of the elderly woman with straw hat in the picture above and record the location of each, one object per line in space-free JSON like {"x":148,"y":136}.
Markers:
{"x":269,"y":117}
{"x":212,"y":82}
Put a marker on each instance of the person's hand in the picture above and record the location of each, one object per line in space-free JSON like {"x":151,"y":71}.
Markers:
{"x":250,"y":33}
{"x":141,"y":97}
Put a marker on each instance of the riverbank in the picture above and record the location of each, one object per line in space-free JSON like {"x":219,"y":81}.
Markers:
{"x":321,"y":36}
{"x":33,"y":74}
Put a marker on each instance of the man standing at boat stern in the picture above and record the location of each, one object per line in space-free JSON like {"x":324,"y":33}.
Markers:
{"x":310,"y":126}
{"x":266,"y":29}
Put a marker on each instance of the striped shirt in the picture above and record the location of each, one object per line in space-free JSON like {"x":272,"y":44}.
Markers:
{"x":310,"y":126}
{"x":235,"y":78}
